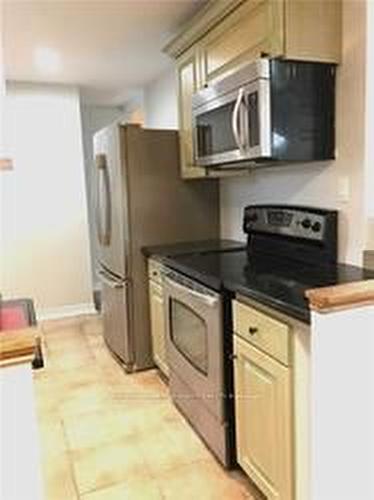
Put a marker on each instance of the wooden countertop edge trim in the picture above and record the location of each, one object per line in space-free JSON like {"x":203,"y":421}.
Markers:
{"x":16,"y":361}
{"x":17,"y":344}
{"x":341,"y":297}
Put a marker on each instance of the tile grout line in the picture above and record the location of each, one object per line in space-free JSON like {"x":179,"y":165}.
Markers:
{"x":70,"y":459}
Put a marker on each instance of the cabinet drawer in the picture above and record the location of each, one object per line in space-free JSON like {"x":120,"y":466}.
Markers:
{"x":268,"y":334}
{"x":154,"y":271}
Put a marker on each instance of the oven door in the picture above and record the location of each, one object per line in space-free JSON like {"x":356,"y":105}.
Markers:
{"x":195,"y":339}
{"x":234,"y":127}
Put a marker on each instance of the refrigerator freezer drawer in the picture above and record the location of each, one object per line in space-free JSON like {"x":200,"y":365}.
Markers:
{"x":115,"y":311}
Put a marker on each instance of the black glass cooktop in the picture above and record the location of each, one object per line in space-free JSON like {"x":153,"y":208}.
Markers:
{"x":278,"y":283}
{"x":189,"y":247}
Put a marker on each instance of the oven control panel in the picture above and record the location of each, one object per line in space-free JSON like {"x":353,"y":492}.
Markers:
{"x":296,"y":222}
{"x":188,"y":285}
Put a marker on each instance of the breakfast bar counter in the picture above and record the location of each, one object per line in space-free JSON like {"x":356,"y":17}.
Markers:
{"x":341,"y":297}
{"x":17,"y":346}
{"x":342,"y":391}
{"x":19,"y":460}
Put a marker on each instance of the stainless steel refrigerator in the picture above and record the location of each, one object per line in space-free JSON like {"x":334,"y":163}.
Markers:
{"x":141,"y":200}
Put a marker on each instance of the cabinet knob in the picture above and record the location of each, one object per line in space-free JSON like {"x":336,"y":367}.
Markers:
{"x":232,"y":356}
{"x":252,"y":330}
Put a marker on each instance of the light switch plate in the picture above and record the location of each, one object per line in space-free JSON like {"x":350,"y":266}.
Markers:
{"x":344,"y":189}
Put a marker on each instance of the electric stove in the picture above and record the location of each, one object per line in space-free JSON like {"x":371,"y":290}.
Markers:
{"x":289,"y":249}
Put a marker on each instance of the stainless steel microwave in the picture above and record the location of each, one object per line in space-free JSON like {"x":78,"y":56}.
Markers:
{"x":271,"y":110}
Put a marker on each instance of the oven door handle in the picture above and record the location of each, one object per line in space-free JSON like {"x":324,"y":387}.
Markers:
{"x":207,"y":299}
{"x":235,"y":120}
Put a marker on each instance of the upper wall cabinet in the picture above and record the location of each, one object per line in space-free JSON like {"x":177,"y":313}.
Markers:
{"x":253,"y":29}
{"x":228,"y":33}
{"x":189,"y":81}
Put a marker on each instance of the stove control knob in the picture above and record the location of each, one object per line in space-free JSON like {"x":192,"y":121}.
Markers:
{"x":316,"y":227}
{"x":306,"y":223}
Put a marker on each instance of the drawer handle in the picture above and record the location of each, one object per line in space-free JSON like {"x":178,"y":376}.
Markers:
{"x":252,"y":330}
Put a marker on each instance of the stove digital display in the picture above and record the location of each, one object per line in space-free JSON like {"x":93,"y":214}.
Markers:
{"x":278,"y":218}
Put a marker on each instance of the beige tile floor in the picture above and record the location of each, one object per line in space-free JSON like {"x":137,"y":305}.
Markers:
{"x":107,"y":435}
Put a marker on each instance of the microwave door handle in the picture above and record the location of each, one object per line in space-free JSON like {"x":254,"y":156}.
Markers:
{"x":235,"y":120}
{"x":207,"y":299}
{"x":195,"y":146}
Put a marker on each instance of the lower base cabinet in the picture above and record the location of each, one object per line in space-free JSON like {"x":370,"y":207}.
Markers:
{"x":158,"y":331}
{"x":263,"y":420}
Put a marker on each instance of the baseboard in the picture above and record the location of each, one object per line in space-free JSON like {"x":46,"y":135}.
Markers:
{"x":369,"y":259}
{"x":65,"y":311}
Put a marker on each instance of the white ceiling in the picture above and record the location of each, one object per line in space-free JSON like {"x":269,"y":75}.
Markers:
{"x":109,"y":48}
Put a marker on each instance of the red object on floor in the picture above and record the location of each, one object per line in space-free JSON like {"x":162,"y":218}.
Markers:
{"x":16,"y":314}
{"x":20,"y":313}
{"x":12,"y":318}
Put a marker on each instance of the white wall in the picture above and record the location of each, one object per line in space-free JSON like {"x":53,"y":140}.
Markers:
{"x":44,"y":232}
{"x":93,"y":119}
{"x":342,"y":404}
{"x":161,"y":102}
{"x":369,"y":181}
{"x":134,"y":108}
{"x":312,"y":184}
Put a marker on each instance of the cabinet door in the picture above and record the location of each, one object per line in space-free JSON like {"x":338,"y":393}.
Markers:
{"x":263,"y":420}
{"x":303,"y":20}
{"x":188,"y":74}
{"x":158,"y":330}
{"x":254,"y":28}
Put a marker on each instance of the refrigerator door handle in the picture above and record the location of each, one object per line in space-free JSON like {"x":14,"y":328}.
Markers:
{"x":109,"y":281}
{"x":103,"y":236}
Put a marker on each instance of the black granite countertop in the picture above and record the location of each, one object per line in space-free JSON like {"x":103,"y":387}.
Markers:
{"x":190,"y":247}
{"x":277,"y":283}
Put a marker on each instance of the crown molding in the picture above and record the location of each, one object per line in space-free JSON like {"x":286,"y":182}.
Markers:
{"x":204,"y":20}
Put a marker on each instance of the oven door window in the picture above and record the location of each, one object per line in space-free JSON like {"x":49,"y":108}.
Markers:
{"x":214,"y":131}
{"x":189,"y":335}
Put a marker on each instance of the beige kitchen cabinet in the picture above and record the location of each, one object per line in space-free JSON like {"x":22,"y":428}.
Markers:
{"x":189,"y":81}
{"x":263,"y":420}
{"x":227,"y":34}
{"x":272,"y":389}
{"x":285,"y":28}
{"x":158,"y":329}
{"x":253,"y":29}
